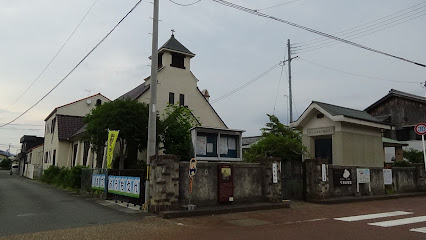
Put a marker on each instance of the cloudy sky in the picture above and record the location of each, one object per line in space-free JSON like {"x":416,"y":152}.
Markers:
{"x":231,"y":48}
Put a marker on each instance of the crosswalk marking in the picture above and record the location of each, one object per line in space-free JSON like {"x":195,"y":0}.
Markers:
{"x":373,"y":216}
{"x":398,"y":222}
{"x":421,"y":230}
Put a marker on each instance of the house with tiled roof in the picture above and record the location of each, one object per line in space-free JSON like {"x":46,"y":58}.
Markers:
{"x":402,"y":111}
{"x":344,"y":136}
{"x":178,"y":85}
{"x":62,"y":123}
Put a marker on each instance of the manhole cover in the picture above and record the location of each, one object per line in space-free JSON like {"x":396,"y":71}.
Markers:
{"x":246,"y":222}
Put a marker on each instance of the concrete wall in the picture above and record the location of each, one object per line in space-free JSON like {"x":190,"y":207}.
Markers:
{"x":169,"y":184}
{"x":410,"y":179}
{"x":252,"y":183}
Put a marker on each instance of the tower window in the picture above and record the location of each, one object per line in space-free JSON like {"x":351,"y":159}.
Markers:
{"x":160,"y":60}
{"x":181,"y":100}
{"x":171,"y":98}
{"x":98,"y":102}
{"x":178,"y":60}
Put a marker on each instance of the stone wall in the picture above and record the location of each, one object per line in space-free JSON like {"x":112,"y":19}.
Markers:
{"x":164,"y":183}
{"x":410,"y":179}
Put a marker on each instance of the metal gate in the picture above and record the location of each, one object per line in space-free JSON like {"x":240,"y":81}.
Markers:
{"x":293,"y":180}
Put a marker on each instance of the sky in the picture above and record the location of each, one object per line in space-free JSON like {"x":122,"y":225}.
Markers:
{"x":232,"y":48}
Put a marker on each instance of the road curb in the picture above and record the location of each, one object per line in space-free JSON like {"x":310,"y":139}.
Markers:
{"x":365,"y":198}
{"x":224,"y":210}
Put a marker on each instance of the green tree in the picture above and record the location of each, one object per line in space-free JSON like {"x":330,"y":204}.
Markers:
{"x":175,"y":134}
{"x":278,"y":140}
{"x":413,"y":155}
{"x":128,"y":116}
{"x":6,"y":163}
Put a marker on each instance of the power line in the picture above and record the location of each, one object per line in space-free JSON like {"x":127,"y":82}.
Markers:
{"x":355,"y":74}
{"x":309,"y":42}
{"x":185,"y":5}
{"x":57,"y":53}
{"x":247,"y":83}
{"x":72,"y":70}
{"x":277,"y":5}
{"x":257,"y":13}
{"x":329,"y":42}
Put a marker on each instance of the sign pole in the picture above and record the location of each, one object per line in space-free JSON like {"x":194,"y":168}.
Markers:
{"x":424,"y":152}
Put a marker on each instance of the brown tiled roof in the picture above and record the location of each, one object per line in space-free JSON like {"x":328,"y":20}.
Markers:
{"x":68,"y":125}
{"x":396,"y":93}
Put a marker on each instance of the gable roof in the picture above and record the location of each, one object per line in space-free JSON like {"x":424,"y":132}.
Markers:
{"x":56,"y":109}
{"x":135,"y":93}
{"x":6,"y":154}
{"x":396,"y":93}
{"x":202,"y":95}
{"x":347,"y":112}
{"x":340,"y":114}
{"x":68,"y":125}
{"x":175,"y":46}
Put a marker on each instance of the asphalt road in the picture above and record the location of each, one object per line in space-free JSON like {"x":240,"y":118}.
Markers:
{"x":28,"y":206}
{"x":30,"y":210}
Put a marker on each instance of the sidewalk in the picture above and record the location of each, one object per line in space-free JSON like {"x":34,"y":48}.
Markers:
{"x":222,"y":209}
{"x":349,"y":199}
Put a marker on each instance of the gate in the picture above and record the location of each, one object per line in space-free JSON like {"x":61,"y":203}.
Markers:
{"x":293,"y":180}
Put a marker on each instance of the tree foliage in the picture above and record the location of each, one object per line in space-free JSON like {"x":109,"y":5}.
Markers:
{"x":175,"y":135}
{"x":6,"y":163}
{"x":128,"y":116}
{"x":413,"y":155}
{"x":278,"y":140}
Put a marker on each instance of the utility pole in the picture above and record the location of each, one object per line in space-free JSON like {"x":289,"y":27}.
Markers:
{"x":290,"y":95}
{"x":152,"y":122}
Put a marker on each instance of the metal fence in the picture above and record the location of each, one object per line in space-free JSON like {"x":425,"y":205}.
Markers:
{"x":86,"y":183}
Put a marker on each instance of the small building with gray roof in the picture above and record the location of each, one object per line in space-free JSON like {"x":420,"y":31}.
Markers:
{"x":344,"y":136}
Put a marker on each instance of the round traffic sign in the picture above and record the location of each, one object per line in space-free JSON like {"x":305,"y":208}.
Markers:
{"x":420,"y":128}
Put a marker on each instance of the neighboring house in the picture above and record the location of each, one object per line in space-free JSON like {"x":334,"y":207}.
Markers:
{"x":27,"y":143}
{"x":344,"y":136}
{"x":62,"y":123}
{"x":33,"y":166}
{"x":177,"y":84}
{"x":402,"y":111}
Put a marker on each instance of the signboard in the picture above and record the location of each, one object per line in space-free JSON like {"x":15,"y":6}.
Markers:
{"x":274,"y":173}
{"x":320,"y":131}
{"x":342,"y":177}
{"x":420,"y":129}
{"x":98,"y":181}
{"x":192,"y":167}
{"x":323,"y":172}
{"x":387,"y":176}
{"x":363,"y":175}
{"x":124,"y":185}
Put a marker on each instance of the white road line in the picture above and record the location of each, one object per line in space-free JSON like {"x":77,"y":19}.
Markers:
{"x":373,"y":216}
{"x":421,"y":230}
{"x":398,"y":222}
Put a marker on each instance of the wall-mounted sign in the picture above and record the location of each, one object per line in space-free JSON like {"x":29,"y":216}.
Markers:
{"x":324,"y":172}
{"x":274,"y":173}
{"x":342,"y":177}
{"x":98,"y":181}
{"x":387,"y":176}
{"x":320,"y":131}
{"x":123,"y":185}
{"x":363,"y":175}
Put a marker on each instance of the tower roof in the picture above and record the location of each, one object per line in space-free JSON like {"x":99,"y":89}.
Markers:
{"x":175,"y":46}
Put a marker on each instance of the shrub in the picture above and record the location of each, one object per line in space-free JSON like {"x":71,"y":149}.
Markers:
{"x":63,"y":177}
{"x":402,"y":164}
{"x":413,"y":155}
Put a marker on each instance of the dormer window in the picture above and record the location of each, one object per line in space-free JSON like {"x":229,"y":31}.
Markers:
{"x":178,"y":60}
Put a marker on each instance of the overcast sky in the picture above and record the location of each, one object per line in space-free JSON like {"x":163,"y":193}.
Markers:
{"x":231,"y":48}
